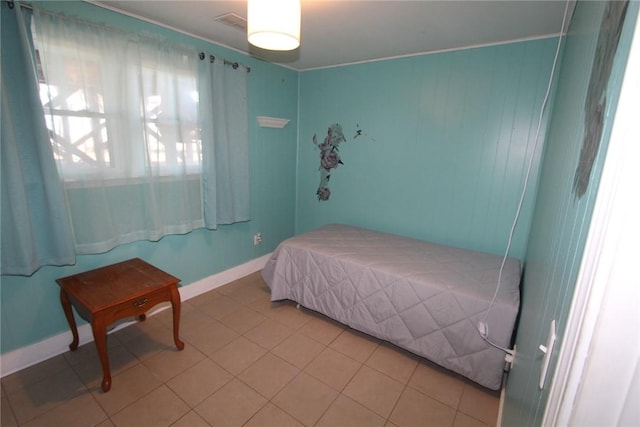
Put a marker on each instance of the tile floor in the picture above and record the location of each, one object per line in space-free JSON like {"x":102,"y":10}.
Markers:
{"x":246,"y":362}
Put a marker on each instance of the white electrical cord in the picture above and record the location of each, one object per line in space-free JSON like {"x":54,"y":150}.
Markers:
{"x":484,"y":333}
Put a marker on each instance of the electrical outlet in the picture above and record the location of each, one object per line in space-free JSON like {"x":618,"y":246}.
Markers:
{"x":509,"y":358}
{"x":257,"y":239}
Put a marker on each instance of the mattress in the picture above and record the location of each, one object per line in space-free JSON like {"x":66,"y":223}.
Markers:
{"x":423,"y":297}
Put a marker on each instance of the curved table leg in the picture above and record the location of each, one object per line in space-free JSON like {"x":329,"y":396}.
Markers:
{"x":68,"y":313}
{"x":175,"y":306}
{"x":99,"y":328}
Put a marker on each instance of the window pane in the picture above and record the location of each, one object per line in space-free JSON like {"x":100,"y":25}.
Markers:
{"x":99,"y":128}
{"x":170,"y":115}
{"x":79,"y":142}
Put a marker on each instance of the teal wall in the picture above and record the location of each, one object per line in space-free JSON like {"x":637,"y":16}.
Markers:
{"x":446,"y":139}
{"x":560,"y":223}
{"x":30,"y":309}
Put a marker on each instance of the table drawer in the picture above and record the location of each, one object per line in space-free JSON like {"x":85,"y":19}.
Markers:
{"x":137,"y":306}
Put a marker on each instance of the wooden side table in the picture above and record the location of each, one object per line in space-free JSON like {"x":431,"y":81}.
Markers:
{"x":104,"y":295}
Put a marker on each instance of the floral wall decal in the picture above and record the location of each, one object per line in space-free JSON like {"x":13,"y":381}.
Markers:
{"x":359,"y":133}
{"x":330,"y":157}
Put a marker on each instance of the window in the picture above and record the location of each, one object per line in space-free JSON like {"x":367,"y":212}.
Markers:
{"x":77,"y":123}
{"x":126,"y":120}
{"x":120,"y":117}
{"x":170,"y":121}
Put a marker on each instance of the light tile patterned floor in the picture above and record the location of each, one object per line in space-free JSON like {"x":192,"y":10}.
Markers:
{"x":247,"y":361}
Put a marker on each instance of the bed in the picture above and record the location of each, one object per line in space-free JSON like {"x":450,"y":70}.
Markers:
{"x":423,"y":297}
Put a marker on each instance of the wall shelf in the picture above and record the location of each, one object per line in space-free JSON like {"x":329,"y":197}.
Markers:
{"x":271,"y":122}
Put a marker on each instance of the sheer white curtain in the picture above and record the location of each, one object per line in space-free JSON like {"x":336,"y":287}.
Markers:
{"x":124,"y":117}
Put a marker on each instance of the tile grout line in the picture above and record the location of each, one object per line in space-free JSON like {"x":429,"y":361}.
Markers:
{"x":294,"y":326}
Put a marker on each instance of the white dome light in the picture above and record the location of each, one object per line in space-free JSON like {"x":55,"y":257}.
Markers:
{"x":273,"y":24}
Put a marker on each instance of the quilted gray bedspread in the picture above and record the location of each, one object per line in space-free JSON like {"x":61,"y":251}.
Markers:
{"x":423,"y":297}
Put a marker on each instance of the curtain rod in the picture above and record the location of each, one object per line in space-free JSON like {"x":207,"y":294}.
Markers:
{"x":201,"y":55}
{"x":12,"y":4}
{"x":233,"y":64}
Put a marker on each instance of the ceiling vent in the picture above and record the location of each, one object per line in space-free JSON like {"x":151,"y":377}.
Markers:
{"x":233,"y":20}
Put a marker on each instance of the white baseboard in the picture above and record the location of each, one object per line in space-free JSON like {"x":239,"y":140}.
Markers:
{"x":32,"y":354}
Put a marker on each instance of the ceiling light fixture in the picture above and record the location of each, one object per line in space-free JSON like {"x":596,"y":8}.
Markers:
{"x":274,"y":24}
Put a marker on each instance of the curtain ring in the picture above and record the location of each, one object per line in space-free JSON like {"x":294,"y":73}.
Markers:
{"x":10,"y":4}
{"x":212,"y":58}
{"x":235,"y":65}
{"x":201,"y":56}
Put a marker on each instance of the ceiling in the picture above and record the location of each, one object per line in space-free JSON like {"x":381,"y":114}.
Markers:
{"x":349,"y":31}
